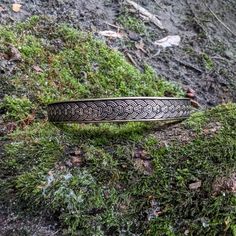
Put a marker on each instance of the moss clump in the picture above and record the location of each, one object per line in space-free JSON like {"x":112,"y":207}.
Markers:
{"x":92,"y":177}
{"x":108,"y":193}
{"x":74,"y":65}
{"x":197,"y":211}
{"x":16,"y":108}
{"x":132,"y":23}
{"x":207,"y":61}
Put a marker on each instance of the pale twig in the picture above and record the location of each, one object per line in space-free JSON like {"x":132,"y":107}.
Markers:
{"x":131,"y":59}
{"x":114,"y":26}
{"x":220,"y":21}
{"x":188,"y":65}
{"x":146,"y":13}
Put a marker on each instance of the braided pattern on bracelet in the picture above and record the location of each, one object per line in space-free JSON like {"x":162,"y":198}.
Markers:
{"x":125,"y":109}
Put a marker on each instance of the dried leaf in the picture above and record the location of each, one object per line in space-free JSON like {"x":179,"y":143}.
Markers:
{"x":3,"y":56}
{"x":141,"y":153}
{"x":212,"y":128}
{"x":27,"y":121}
{"x":186,"y":232}
{"x":140,"y":46}
{"x":37,"y":69}
{"x":112,"y":34}
{"x":169,"y":41}
{"x":147,"y":14}
{"x":78,"y":152}
{"x":76,"y":160}
{"x":195,"y":185}
{"x":224,"y":184}
{"x":16,"y":7}
{"x":195,"y":104}
{"x":189,"y":90}
{"x":14,"y":54}
{"x":144,"y":166}
{"x":10,"y":127}
{"x":2,"y":9}
{"x":190,"y":95}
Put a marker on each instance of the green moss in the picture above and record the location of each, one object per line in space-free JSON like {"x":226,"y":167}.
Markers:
{"x":83,"y":67}
{"x":203,"y":159}
{"x":31,"y":48}
{"x":68,"y":33}
{"x":7,"y":35}
{"x":132,"y":23}
{"x":108,"y":190}
{"x":233,"y":228}
{"x":28,"y":24}
{"x":207,"y":61}
{"x":99,"y":189}
{"x":16,"y":108}
{"x":196,"y":121}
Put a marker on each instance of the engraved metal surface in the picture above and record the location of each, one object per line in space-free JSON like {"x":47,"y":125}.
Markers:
{"x":119,"y":109}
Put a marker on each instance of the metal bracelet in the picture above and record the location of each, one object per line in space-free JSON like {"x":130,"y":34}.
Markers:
{"x":119,"y":109}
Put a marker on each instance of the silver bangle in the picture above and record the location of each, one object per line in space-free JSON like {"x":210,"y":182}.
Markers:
{"x":121,"y":109}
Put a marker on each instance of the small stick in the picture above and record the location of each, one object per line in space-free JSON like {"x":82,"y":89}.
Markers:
{"x":220,"y":21}
{"x":188,"y":65}
{"x":115,"y":26}
{"x":131,"y":59}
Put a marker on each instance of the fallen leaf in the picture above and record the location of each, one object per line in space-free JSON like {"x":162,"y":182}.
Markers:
{"x":10,"y":127}
{"x":169,"y":41}
{"x":224,"y":184}
{"x":16,"y":7}
{"x":3,"y":56}
{"x":144,"y":166}
{"x":196,"y":185}
{"x":140,"y":46}
{"x":27,"y":121}
{"x":190,"y":95}
{"x":76,"y":160}
{"x":195,"y":104}
{"x":2,"y":9}
{"x":78,"y":152}
{"x":141,"y":153}
{"x":189,"y":90}
{"x":14,"y":54}
{"x":112,"y":34}
{"x":212,"y":128}
{"x":186,"y":232}
{"x":37,"y":69}
{"x":147,"y":14}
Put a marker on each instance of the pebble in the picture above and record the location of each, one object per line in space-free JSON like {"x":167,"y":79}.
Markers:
{"x":133,"y":36}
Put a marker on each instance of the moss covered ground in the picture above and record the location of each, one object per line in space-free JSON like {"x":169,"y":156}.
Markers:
{"x":108,"y":179}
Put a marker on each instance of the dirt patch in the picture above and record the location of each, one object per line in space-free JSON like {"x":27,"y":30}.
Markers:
{"x":224,"y":184}
{"x":11,"y":224}
{"x":181,"y":134}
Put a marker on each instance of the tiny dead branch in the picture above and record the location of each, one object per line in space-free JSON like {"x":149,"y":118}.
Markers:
{"x":220,"y":21}
{"x":151,"y":17}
